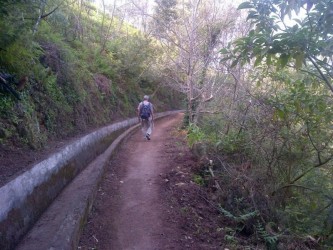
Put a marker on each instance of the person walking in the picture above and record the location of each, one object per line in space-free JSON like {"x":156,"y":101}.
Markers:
{"x":146,"y":117}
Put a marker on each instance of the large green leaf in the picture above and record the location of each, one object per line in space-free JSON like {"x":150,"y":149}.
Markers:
{"x":245,"y":5}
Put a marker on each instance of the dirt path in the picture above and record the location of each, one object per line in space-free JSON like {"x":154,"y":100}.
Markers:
{"x":130,"y":212}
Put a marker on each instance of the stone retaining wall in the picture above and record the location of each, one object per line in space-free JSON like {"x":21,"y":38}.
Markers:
{"x":24,"y":199}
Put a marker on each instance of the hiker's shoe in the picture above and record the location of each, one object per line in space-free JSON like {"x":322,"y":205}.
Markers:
{"x":148,"y":137}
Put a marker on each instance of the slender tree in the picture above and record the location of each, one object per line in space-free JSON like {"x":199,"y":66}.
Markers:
{"x":190,"y":33}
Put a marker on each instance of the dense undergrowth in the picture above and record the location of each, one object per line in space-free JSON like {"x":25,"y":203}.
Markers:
{"x":74,"y":70}
{"x":268,"y":139}
{"x":270,"y":160}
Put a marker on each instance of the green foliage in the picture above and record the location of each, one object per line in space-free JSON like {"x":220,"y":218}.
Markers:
{"x":194,"y":134}
{"x":270,"y":240}
{"x":288,"y":129}
{"x":6,"y":104}
{"x":198,"y":179}
{"x":242,"y":218}
{"x":21,"y":56}
{"x":311,"y":215}
{"x":231,"y":143}
{"x":286,"y":136}
{"x":211,"y":129}
{"x":104,"y":65}
{"x":230,"y":235}
{"x":300,"y":144}
{"x":211,"y":126}
{"x":165,"y":14}
{"x":81,"y":73}
{"x":271,"y":41}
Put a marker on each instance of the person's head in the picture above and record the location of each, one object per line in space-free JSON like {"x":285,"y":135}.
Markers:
{"x":146,"y":98}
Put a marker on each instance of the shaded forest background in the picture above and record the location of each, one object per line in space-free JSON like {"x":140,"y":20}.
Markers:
{"x":256,"y":82}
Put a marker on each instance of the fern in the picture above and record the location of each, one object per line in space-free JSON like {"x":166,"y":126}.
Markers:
{"x":227,"y":213}
{"x":270,"y":240}
{"x":241,"y":218}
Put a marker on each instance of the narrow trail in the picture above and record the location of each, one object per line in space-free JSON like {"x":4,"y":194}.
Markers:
{"x":129,"y":212}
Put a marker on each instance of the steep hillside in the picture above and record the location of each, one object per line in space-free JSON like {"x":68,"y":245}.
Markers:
{"x":66,"y":69}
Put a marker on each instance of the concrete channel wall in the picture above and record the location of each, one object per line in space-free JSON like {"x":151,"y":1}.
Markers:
{"x":24,"y":199}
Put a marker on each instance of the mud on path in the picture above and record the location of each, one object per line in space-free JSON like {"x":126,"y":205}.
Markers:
{"x":129,"y":212}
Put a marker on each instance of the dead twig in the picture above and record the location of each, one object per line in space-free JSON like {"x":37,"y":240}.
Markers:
{"x":210,"y":168}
